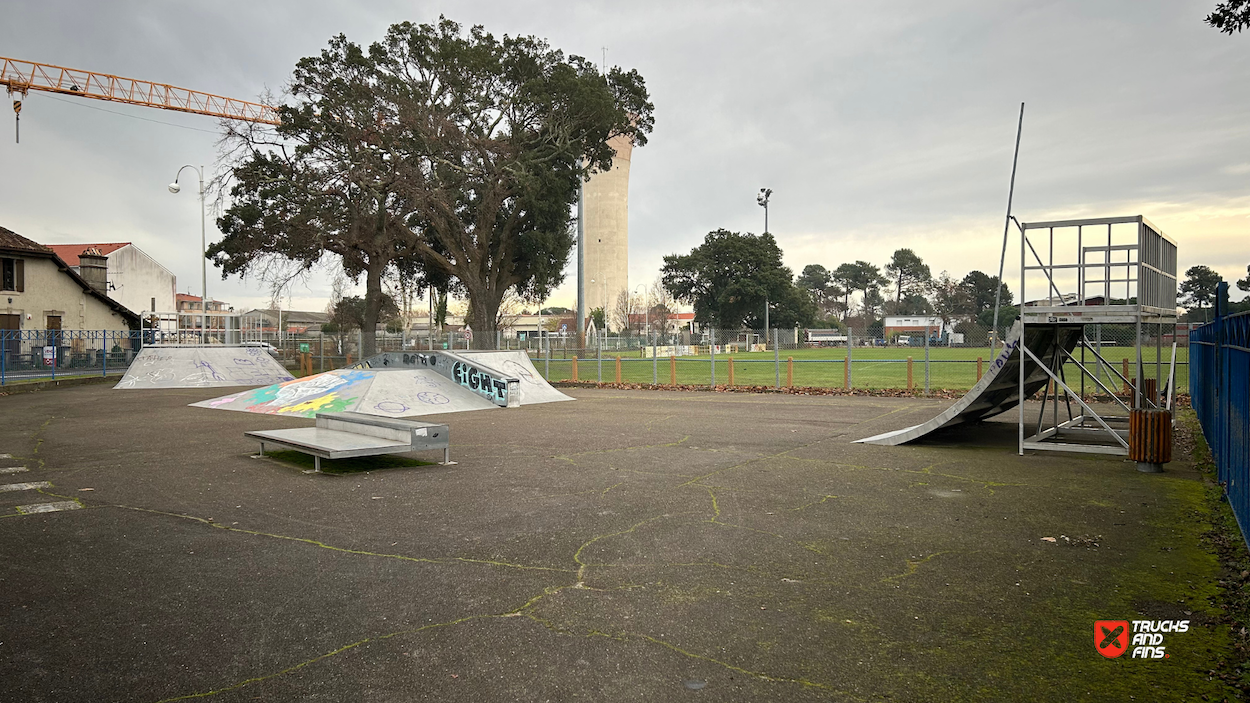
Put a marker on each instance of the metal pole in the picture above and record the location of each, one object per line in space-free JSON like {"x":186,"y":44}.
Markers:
{"x":581,"y":262}
{"x":203,"y":267}
{"x":1020,"y":347}
{"x":712,"y":350}
{"x":1011,"y":191}
{"x":777,"y":357}
{"x":601,"y":338}
{"x":850,"y":371}
{"x":926,"y":356}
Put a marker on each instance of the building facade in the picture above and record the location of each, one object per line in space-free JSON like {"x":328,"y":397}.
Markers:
{"x":39,"y":291}
{"x":135,"y":280}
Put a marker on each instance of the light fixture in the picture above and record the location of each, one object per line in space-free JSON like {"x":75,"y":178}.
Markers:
{"x":174,"y":187}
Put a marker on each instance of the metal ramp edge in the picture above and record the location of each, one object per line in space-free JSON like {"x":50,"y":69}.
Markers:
{"x":998,"y":389}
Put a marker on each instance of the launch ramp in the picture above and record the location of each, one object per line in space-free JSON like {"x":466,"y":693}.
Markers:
{"x":379,"y":392}
{"x":999,"y":389}
{"x":161,"y":366}
{"x":526,"y":385}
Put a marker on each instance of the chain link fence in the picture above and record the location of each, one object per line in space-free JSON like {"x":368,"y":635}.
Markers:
{"x":850,"y":358}
{"x":869,"y":357}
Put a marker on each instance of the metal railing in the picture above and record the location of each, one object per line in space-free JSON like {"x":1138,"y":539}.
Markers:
{"x":29,"y":355}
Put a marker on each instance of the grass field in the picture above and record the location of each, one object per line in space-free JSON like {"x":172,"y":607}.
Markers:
{"x":954,"y":368}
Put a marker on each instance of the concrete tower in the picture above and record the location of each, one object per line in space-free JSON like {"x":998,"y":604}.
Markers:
{"x":606,"y":207}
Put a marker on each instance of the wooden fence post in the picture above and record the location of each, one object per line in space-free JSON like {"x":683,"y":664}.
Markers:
{"x":575,"y":368}
{"x":978,"y":368}
{"x":909,"y":377}
{"x":731,"y":370}
{"x":618,"y":369}
{"x":672,"y":369}
{"x":789,"y":372}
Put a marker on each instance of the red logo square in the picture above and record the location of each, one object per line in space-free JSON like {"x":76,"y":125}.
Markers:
{"x":1111,"y":637}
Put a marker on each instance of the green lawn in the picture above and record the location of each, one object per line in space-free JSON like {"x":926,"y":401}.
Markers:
{"x":953,"y":368}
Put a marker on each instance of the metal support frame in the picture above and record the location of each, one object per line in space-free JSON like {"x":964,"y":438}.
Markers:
{"x":1149,"y":278}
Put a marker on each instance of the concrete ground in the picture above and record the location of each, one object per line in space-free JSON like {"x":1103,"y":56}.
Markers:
{"x":632,"y":546}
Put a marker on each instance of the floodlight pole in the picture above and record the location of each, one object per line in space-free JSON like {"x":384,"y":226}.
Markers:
{"x":581,"y":261}
{"x":762,"y":199}
{"x":1011,"y":191}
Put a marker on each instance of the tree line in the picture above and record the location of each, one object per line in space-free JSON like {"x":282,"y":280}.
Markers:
{"x":732,"y":278}
{"x":1198,"y":292}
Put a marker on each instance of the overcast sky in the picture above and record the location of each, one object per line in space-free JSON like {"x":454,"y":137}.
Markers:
{"x":877,"y":125}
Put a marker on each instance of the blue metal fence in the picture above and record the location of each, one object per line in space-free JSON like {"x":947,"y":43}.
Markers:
{"x":1219,"y":386}
{"x":29,"y":355}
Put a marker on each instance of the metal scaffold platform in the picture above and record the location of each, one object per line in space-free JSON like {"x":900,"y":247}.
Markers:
{"x":1116,"y":271}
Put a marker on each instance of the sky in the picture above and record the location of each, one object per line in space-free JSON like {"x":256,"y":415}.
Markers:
{"x":876,"y":125}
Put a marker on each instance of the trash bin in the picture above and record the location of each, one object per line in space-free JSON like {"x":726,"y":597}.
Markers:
{"x":1150,"y":438}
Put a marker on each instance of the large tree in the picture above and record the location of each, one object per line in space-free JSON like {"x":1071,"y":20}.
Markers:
{"x":1244,"y":283}
{"x":1231,"y":16}
{"x":449,"y":148}
{"x":981,"y":288}
{"x":818,"y":281}
{"x":1199,"y":287}
{"x":865,"y":278}
{"x":729,"y":278}
{"x":950,"y":298}
{"x":844,"y":278}
{"x":908,"y":271}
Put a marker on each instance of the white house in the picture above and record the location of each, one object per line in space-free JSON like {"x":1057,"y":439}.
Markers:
{"x":913,"y":324}
{"x":135,"y":279}
{"x":39,"y":291}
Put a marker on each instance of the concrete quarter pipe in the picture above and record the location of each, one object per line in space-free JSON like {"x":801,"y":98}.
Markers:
{"x":202,"y":367}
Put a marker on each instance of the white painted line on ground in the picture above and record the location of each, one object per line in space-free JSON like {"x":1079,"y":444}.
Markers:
{"x":48,"y":507}
{"x":24,"y":486}
{"x":6,"y":456}
{"x":13,"y":470}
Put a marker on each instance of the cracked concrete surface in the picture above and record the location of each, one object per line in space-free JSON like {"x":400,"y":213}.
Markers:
{"x":609,"y":549}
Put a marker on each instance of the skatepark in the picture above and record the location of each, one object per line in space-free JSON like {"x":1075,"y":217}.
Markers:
{"x":749,"y":551}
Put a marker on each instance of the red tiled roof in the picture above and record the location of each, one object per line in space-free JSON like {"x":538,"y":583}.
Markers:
{"x":69,"y":252}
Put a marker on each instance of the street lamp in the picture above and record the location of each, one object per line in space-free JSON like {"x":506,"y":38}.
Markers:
{"x":174,"y":188}
{"x":762,"y":199}
{"x":646,"y":311}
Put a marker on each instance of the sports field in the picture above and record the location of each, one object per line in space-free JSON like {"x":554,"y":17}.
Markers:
{"x":825,"y":367}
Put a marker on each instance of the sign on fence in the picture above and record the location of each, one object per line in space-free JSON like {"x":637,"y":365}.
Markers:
{"x":49,"y":356}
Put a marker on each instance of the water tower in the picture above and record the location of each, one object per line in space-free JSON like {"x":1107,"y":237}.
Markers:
{"x":606,"y":206}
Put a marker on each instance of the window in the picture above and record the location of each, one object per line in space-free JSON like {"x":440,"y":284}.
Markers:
{"x":12,"y":275}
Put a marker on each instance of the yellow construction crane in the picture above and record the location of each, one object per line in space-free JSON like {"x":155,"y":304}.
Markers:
{"x":19,"y":77}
